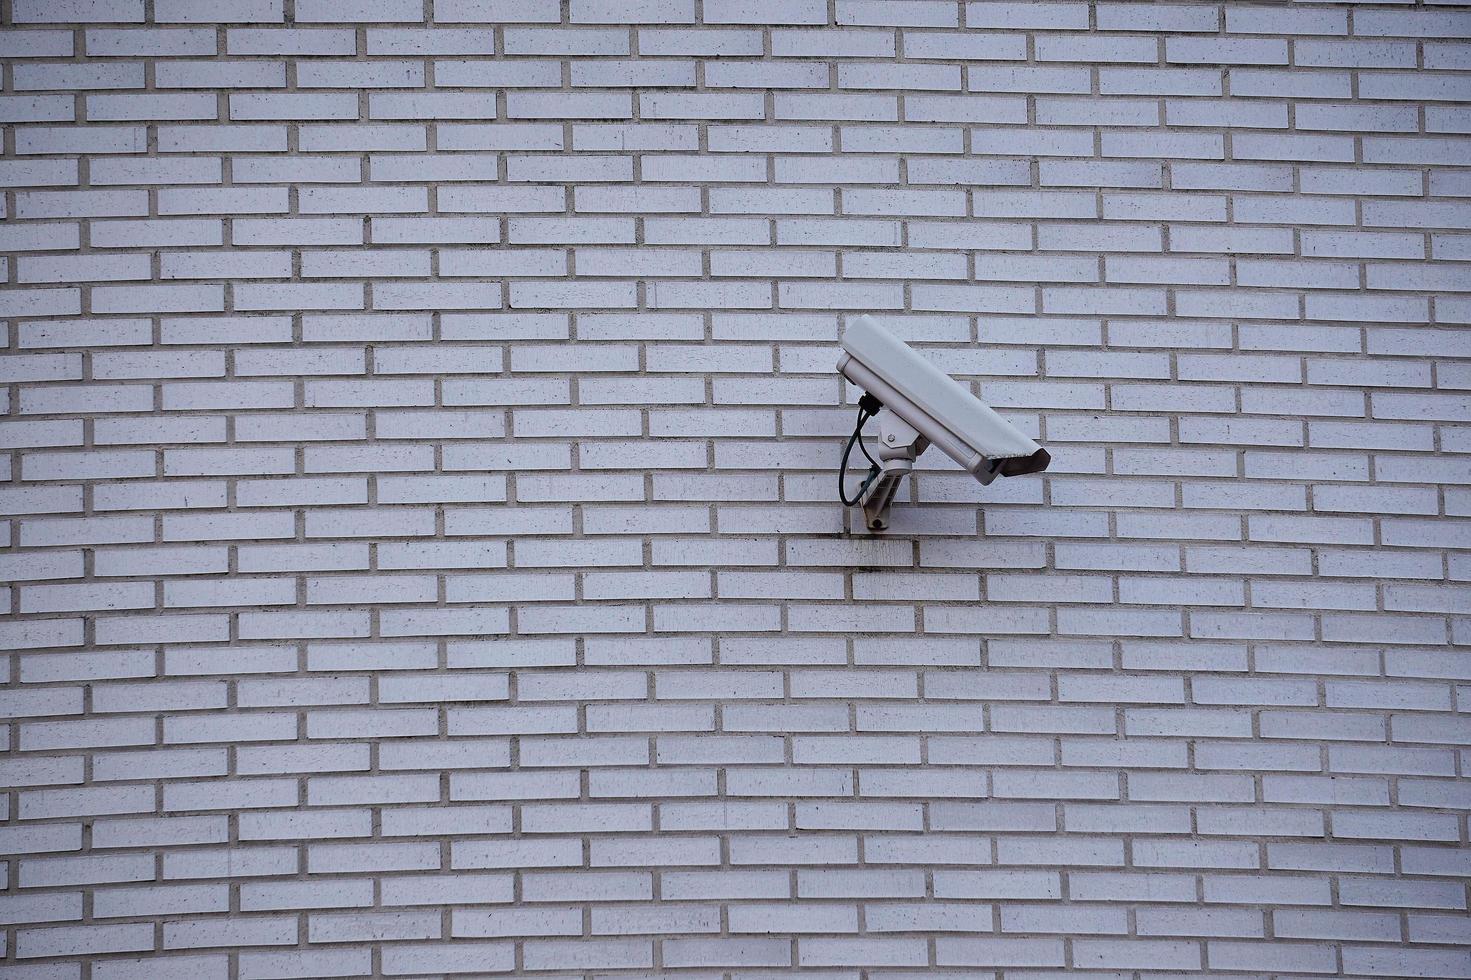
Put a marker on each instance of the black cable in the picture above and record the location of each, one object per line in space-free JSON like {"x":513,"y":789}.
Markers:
{"x":873,"y":471}
{"x":864,"y":446}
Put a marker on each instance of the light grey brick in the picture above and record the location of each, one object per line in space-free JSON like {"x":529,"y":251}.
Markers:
{"x":387,"y":465}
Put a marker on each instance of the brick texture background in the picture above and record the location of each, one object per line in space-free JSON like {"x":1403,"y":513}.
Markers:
{"x":420,"y":431}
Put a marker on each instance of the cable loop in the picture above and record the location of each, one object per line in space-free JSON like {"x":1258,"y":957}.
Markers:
{"x":873,"y":470}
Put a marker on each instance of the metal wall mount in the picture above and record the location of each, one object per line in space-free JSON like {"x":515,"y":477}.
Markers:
{"x":899,"y":445}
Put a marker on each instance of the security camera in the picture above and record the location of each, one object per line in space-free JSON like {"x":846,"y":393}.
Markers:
{"x":926,"y":407}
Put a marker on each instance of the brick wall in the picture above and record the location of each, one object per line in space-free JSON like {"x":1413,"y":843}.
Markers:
{"x":419,"y":468}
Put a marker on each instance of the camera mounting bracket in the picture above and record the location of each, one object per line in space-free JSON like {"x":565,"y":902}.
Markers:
{"x":899,"y":446}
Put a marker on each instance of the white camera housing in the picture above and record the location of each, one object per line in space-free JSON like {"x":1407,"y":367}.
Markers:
{"x":926,"y":407}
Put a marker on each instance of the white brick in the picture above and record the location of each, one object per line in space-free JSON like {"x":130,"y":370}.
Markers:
{"x":386,"y":503}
